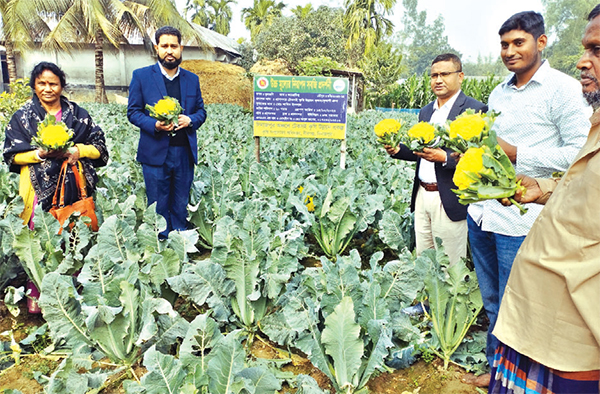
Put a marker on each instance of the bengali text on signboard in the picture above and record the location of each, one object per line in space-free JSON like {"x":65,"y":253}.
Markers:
{"x":300,"y":107}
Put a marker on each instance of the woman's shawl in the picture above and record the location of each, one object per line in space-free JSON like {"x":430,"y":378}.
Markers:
{"x":44,"y":176}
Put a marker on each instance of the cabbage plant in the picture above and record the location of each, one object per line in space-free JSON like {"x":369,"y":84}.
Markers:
{"x":454,"y":302}
{"x":346,"y":319}
{"x":208,"y":362}
{"x":343,"y":212}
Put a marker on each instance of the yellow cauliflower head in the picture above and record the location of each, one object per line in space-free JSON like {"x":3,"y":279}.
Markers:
{"x":467,"y":126}
{"x":54,"y":135}
{"x":387,"y":126}
{"x":422,"y":130}
{"x":472,"y":161}
{"x":165,"y":106}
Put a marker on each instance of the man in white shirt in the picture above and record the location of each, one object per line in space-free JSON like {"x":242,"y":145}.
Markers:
{"x":437,"y":210}
{"x":543,"y":123}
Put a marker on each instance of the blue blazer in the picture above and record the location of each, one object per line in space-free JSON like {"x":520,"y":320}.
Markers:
{"x":455,"y":210}
{"x":147,"y":87}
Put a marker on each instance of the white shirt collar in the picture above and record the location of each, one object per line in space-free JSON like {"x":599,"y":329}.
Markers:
{"x":164,"y":72}
{"x":448,"y":103}
{"x":539,"y":76}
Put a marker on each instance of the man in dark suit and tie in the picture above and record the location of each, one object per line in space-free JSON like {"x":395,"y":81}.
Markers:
{"x":437,"y":210}
{"x":167,"y":153}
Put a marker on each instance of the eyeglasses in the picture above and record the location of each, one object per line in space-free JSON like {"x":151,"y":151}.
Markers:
{"x":444,"y":74}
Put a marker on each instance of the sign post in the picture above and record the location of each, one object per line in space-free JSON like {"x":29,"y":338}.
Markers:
{"x":300,"y":107}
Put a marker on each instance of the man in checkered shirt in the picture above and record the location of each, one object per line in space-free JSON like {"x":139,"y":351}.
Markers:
{"x":543,"y":123}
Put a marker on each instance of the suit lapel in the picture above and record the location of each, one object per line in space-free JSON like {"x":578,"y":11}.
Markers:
{"x":427,"y":112}
{"x":458,"y":106}
{"x":184,"y":88}
{"x":158,"y":79}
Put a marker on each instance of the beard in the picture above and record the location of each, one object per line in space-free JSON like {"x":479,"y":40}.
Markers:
{"x":593,"y":98}
{"x":169,"y":65}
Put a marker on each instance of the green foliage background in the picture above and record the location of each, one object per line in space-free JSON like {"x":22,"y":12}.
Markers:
{"x":319,"y":34}
{"x":565,"y":23}
{"x":415,"y":92}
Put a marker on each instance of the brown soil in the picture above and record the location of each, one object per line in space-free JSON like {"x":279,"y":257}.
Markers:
{"x":221,"y":83}
{"x":421,"y":378}
{"x":20,"y":376}
{"x":298,"y":364}
{"x":19,"y":325}
{"x":114,"y":385}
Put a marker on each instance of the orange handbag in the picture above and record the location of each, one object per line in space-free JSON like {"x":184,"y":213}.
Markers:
{"x":85,"y":205}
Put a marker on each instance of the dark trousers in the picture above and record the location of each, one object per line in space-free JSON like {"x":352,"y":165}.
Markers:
{"x":169,"y":187}
{"x":493,"y":256}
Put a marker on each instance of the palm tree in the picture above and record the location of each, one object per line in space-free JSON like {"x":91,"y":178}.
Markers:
{"x":221,"y":15}
{"x":364,"y":21}
{"x":21,"y":26}
{"x":261,"y":15}
{"x":302,"y":12}
{"x":92,"y":21}
{"x":97,"y":21}
{"x":156,"y":13}
{"x":198,"y":9}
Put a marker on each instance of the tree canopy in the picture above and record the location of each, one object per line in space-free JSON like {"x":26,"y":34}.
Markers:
{"x":421,"y":42}
{"x":565,"y":22}
{"x":485,"y":65}
{"x":261,"y":15}
{"x":293,"y":38}
{"x":212,"y":14}
{"x":366,"y":23}
{"x":21,"y":25}
{"x":382,"y":68}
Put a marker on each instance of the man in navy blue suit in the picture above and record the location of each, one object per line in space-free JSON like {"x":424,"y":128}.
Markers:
{"x":167,"y":153}
{"x":437,"y":210}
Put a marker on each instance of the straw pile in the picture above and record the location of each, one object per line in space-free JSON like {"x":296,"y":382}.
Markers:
{"x":221,"y":83}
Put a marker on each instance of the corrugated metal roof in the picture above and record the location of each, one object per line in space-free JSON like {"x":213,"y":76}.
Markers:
{"x":211,"y":37}
{"x":217,"y":40}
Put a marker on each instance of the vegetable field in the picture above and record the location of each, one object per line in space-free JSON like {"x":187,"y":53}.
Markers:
{"x":294,"y":253}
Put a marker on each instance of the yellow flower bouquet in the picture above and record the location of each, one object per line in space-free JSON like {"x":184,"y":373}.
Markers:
{"x":53,"y":135}
{"x":468,"y":130}
{"x":485,"y":173}
{"x":422,"y":135}
{"x":166,"y":110}
{"x":389,"y":132}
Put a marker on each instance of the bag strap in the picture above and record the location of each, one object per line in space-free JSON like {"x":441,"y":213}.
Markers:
{"x":60,"y":185}
{"x":62,"y":177}
{"x":79,"y":181}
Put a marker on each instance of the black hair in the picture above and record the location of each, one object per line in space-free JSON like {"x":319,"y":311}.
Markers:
{"x":448,"y":57}
{"x":594,"y":13}
{"x":167,"y":30}
{"x":39,"y":68}
{"x":529,"y":21}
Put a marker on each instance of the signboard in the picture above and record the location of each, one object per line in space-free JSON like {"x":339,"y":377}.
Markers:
{"x":300,"y":107}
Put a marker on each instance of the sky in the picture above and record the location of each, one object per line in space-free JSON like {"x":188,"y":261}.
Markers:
{"x":471,"y":25}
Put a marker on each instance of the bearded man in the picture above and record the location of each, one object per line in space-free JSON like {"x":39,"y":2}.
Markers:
{"x":167,"y":152}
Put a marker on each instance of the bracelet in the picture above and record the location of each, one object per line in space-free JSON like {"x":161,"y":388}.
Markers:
{"x":37,"y":156}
